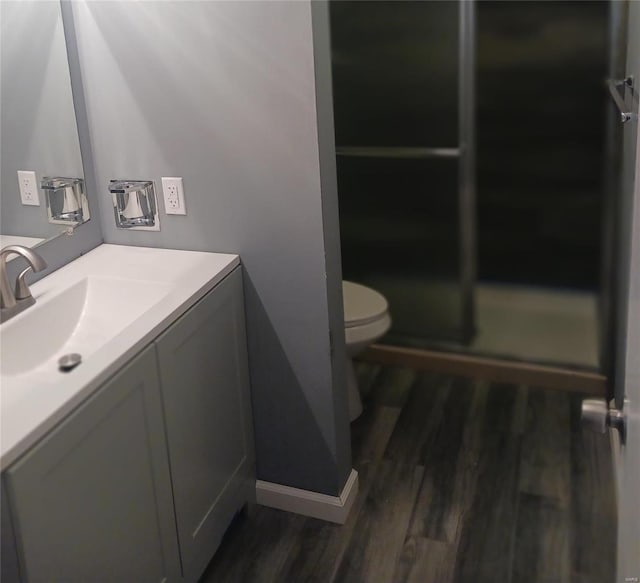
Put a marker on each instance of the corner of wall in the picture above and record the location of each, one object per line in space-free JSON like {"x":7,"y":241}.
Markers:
{"x":331,"y":229}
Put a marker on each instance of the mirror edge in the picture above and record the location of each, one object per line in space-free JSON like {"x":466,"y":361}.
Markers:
{"x":61,"y":249}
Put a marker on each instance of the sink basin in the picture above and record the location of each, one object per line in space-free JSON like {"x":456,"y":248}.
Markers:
{"x":77,"y":319}
{"x":107,"y":306}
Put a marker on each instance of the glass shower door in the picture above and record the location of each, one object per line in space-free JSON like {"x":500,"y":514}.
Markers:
{"x":403,"y":99}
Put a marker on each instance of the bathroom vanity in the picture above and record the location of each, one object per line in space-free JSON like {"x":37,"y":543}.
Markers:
{"x":131,"y":466}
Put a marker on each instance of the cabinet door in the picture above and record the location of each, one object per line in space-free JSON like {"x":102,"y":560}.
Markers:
{"x":92,"y":501}
{"x":204,"y":379}
{"x":9,"y":570}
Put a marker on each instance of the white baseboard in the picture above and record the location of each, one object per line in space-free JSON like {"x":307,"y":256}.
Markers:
{"x":329,"y":508}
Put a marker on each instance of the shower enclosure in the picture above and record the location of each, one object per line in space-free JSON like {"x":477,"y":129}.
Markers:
{"x":469,"y":143}
{"x":403,"y":102}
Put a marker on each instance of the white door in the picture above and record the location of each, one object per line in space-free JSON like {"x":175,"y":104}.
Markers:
{"x":627,"y":456}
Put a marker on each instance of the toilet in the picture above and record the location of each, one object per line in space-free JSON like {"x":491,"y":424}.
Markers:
{"x":366,"y":319}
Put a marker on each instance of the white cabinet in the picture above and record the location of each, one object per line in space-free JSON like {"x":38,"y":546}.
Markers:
{"x":204,"y":378}
{"x":92,"y":501}
{"x":140,"y":482}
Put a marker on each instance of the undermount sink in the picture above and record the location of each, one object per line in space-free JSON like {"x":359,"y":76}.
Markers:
{"x":78,"y":319}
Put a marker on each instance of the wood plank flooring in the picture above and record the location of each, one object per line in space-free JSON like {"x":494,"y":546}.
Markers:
{"x":460,"y":481}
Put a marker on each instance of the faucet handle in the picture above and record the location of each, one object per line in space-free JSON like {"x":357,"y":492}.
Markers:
{"x":22,"y":289}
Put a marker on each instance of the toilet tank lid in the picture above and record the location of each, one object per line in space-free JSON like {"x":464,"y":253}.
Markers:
{"x":361,"y":304}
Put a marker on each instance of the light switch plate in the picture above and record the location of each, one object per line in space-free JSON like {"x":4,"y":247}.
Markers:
{"x":28,"y":184}
{"x":173,"y":192}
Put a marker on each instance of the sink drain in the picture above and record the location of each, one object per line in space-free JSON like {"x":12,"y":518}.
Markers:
{"x":68,"y":362}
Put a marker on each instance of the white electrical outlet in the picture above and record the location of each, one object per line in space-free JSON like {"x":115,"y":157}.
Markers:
{"x":28,"y":184}
{"x":173,"y":195}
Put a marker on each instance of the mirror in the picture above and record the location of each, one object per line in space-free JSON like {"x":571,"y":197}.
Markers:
{"x":39,"y":130}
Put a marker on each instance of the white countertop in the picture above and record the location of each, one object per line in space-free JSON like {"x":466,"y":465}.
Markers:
{"x":32,"y":403}
{"x":18,"y":240}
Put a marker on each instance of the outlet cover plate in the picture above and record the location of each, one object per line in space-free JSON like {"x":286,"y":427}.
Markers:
{"x":28,"y":184}
{"x":173,"y":193}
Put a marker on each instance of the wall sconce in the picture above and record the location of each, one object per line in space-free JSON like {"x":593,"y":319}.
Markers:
{"x":135,"y":205}
{"x":67,"y":202}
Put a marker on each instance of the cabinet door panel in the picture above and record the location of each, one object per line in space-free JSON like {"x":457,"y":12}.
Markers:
{"x":203,"y":371}
{"x":92,"y":501}
{"x":9,"y":570}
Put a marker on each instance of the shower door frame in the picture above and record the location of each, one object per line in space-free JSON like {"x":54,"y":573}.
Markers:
{"x":467,"y":165}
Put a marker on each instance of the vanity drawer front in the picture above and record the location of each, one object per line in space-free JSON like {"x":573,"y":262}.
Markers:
{"x":205,"y":391}
{"x":92,"y":501}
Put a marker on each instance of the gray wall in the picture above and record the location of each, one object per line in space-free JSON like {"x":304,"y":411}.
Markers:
{"x":223,"y":94}
{"x":38,"y":124}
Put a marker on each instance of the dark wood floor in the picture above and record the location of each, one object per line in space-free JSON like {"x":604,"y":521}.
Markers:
{"x":460,"y":481}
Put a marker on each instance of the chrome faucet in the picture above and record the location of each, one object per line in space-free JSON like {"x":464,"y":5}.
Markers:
{"x":12,"y":303}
